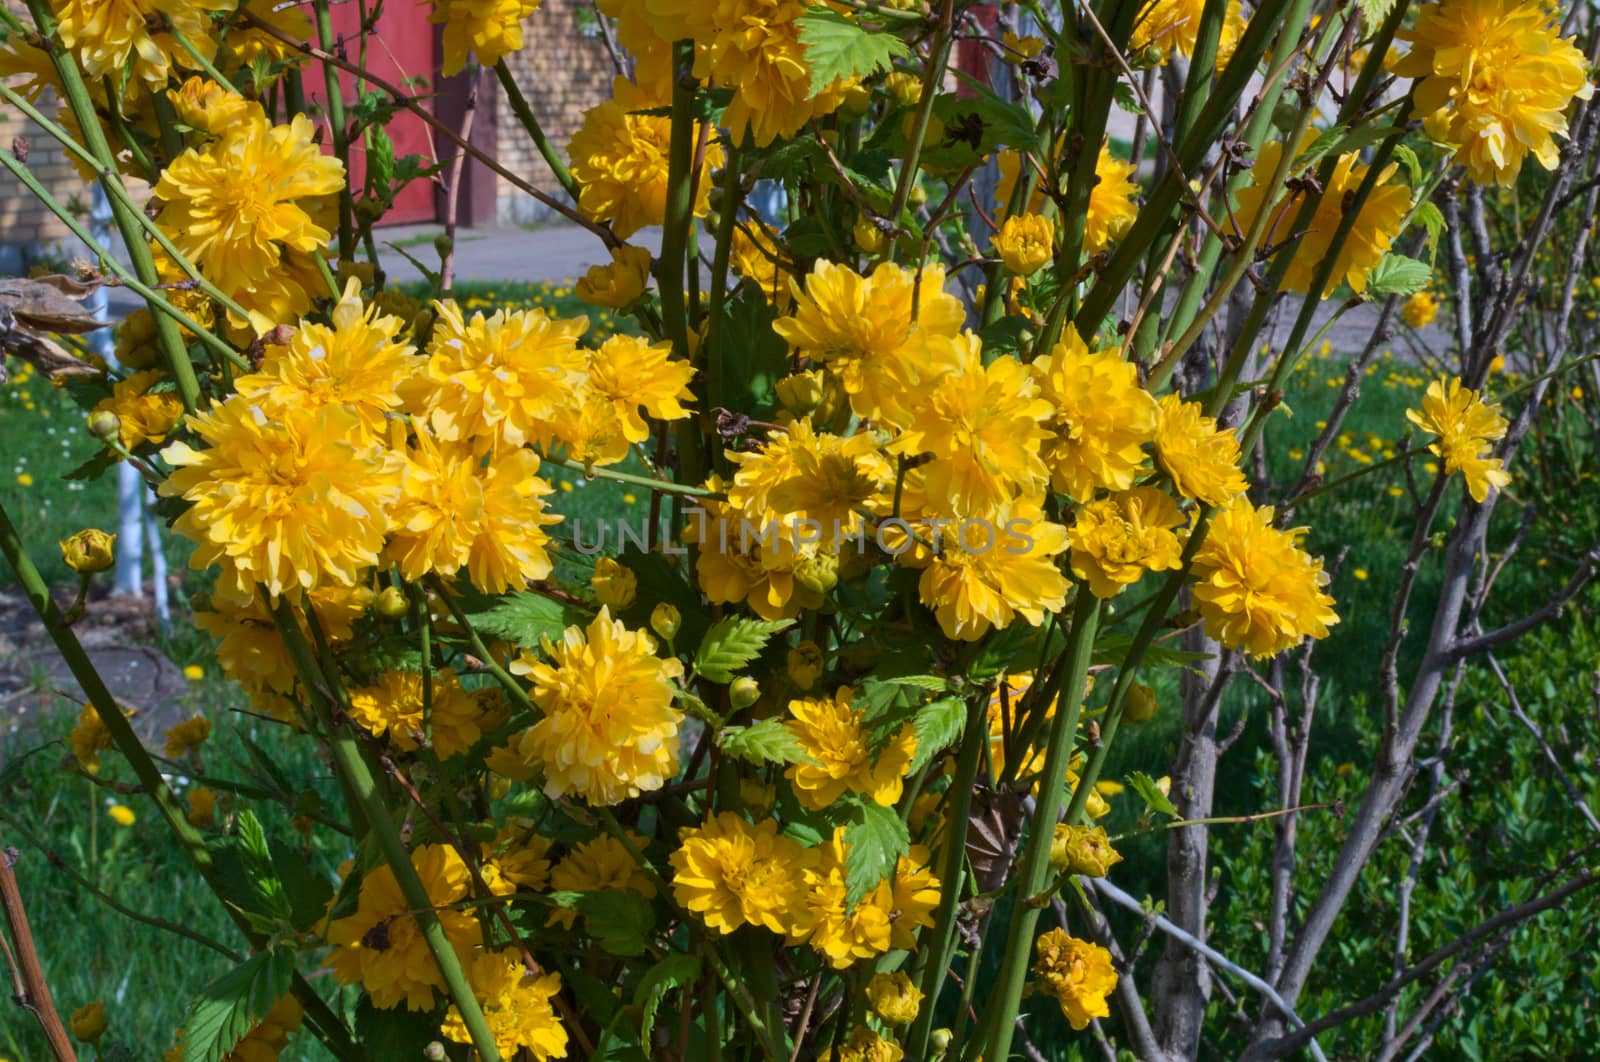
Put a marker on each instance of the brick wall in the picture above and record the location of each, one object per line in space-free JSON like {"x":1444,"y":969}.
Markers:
{"x":563,"y":71}
{"x":26,"y":227}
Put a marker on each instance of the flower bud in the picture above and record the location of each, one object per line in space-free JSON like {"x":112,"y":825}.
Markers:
{"x":940,"y":1040}
{"x":802,"y":392}
{"x":818,"y":573}
{"x":904,"y":89}
{"x":434,"y":1052}
{"x":89,"y":551}
{"x":756,"y":796}
{"x":88,"y":1021}
{"x":1082,"y":850}
{"x":743,"y":692}
{"x":869,"y":238}
{"x":391,"y":602}
{"x":1140,"y":707}
{"x":665,"y":620}
{"x":614,"y":583}
{"x":104,"y":425}
{"x":805,"y":665}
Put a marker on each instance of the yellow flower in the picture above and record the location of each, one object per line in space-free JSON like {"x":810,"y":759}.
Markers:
{"x":107,"y":34}
{"x":492,"y":29}
{"x":265,"y":1040}
{"x":122,"y":815}
{"x":206,"y":105}
{"x":1025,"y":243}
{"x":233,"y":207}
{"x":618,"y":284}
{"x":88,"y":1022}
{"x":516,"y":1006}
{"x":1174,"y":25}
{"x":864,"y":1045}
{"x":983,"y":424}
{"x":862,"y":328}
{"x":600,"y":865}
{"x":358,"y":364}
{"x":614,"y":583}
{"x":292,"y":499}
{"x":202,"y":807}
{"x":89,"y":551}
{"x":1201,"y":458}
{"x":498,"y":382}
{"x":1077,"y":973}
{"x":804,"y":664}
{"x":1374,"y":228}
{"x":517,"y":857}
{"x":381,"y":947}
{"x":183,"y":738}
{"x":1256,"y":589}
{"x":801,"y":475}
{"x":732,"y":874}
{"x":1465,"y":426}
{"x":1101,"y":417}
{"x":1420,"y":309}
{"x":988,"y":572}
{"x":826,"y":921}
{"x":194,"y":672}
{"x":1082,"y":850}
{"x":839,"y":757}
{"x":248,"y":41}
{"x":633,"y":377}
{"x":24,"y":480}
{"x":610,"y":729}
{"x":511,"y":546}
{"x":88,"y":739}
{"x":1111,"y":201}
{"x":619,"y":159}
{"x":1117,"y":539}
{"x":894,"y":997}
{"x":142,"y":415}
{"x":914,"y":896}
{"x":1494,"y":80}
{"x":754,"y":255}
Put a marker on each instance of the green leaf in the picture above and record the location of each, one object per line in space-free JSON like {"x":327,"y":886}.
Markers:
{"x":938,"y":726}
{"x":749,"y":383}
{"x":675,"y":971}
{"x":527,"y":617}
{"x":837,"y":48}
{"x":393,"y":1033}
{"x":731,"y":643}
{"x":1375,"y":11}
{"x":1398,"y":275}
{"x":1413,"y":164}
{"x":1431,"y":218}
{"x":877,"y":838}
{"x":232,"y":1004}
{"x":618,"y":920}
{"x":255,"y":855}
{"x":1006,"y":336}
{"x":93,"y":468}
{"x":308,"y":892}
{"x":768,"y":741}
{"x":886,"y":704}
{"x":1152,"y":796}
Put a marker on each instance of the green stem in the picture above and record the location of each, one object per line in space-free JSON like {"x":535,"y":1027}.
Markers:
{"x":525,"y":115}
{"x":674,"y":262}
{"x":200,"y":60}
{"x":347,"y":760}
{"x":78,"y":99}
{"x":513,"y":688}
{"x":1001,"y":1008}
{"x":932,"y":77}
{"x":341,"y":135}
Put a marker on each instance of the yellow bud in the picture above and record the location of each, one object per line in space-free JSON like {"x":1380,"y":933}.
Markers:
{"x":665,"y":620}
{"x":391,"y":602}
{"x":1025,"y":243}
{"x":88,"y":1021}
{"x":1082,"y":850}
{"x":894,"y":997}
{"x":940,"y":1040}
{"x":1140,"y":707}
{"x":744,"y":692}
{"x":802,"y":392}
{"x":805,"y":665}
{"x":818,"y":573}
{"x":904,"y":89}
{"x":869,"y":238}
{"x":614,"y":583}
{"x":89,"y":551}
{"x":104,"y":425}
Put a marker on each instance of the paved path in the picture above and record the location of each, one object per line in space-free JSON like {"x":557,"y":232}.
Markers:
{"x":549,"y":253}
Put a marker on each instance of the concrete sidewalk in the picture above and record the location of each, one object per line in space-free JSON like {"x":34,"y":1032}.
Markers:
{"x":551,"y":253}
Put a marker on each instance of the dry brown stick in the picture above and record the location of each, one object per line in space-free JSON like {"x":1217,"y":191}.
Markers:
{"x":35,"y":996}
{"x":404,"y":99}
{"x":452,"y":194}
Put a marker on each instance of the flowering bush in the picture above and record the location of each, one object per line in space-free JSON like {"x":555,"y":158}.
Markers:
{"x":939,"y":497}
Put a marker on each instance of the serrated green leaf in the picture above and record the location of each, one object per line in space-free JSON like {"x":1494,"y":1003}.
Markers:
{"x":393,"y":1033}
{"x":1431,"y":218}
{"x":1152,"y":796}
{"x":768,"y":741}
{"x":877,"y":838}
{"x":93,"y":468}
{"x":618,"y":920}
{"x":1375,"y":11}
{"x":886,"y":704}
{"x":1396,"y":274}
{"x":255,"y":856}
{"x":838,"y":48}
{"x":938,"y":725}
{"x":308,"y":892}
{"x":1412,"y":164}
{"x":526,"y":617}
{"x":675,"y":971}
{"x":731,"y":643}
{"x":232,"y":1004}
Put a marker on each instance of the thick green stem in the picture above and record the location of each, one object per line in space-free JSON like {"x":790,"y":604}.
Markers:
{"x":674,"y":264}
{"x":1001,"y":1007}
{"x":341,"y":134}
{"x":361,"y":784}
{"x":144,"y":265}
{"x":525,"y":115}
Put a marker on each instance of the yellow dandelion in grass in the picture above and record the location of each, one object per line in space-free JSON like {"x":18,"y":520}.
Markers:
{"x":290,"y":498}
{"x":839,"y":757}
{"x":1373,"y":230}
{"x":358,"y":363}
{"x":1255,"y":587}
{"x":1494,"y":79}
{"x":380,"y":945}
{"x":732,"y":874}
{"x":1077,"y":973}
{"x":1466,"y":427}
{"x":863,"y":329}
{"x":122,"y":815}
{"x":194,"y":672}
{"x":1100,"y":417}
{"x":1201,"y":458}
{"x":24,"y":479}
{"x":610,"y":728}
{"x":491,"y":29}
{"x":516,"y":1007}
